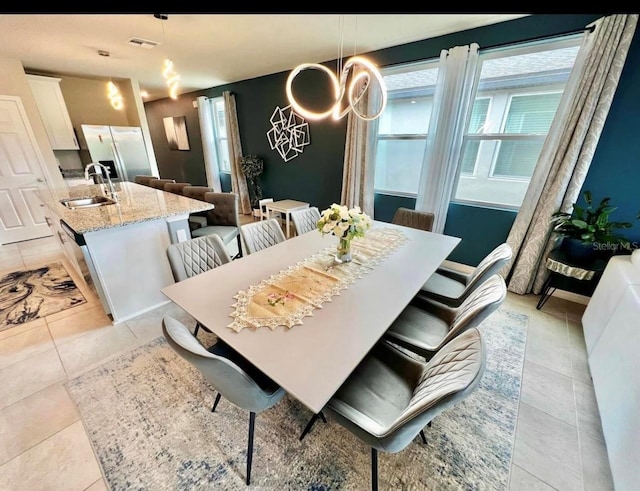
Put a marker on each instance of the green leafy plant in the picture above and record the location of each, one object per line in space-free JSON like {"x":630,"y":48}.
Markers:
{"x":590,"y":224}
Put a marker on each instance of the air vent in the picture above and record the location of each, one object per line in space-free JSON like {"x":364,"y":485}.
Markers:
{"x":143,"y":43}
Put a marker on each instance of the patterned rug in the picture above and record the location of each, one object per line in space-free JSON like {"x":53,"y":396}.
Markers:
{"x":148,"y":416}
{"x":33,"y":293}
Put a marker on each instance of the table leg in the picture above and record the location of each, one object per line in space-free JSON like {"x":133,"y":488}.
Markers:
{"x":288,"y":235}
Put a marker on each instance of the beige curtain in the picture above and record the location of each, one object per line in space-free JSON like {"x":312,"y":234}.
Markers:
{"x":358,"y":171}
{"x":569,"y":148}
{"x":238,"y":180}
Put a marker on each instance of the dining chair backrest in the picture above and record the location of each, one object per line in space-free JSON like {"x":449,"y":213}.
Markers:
{"x":175,"y":187}
{"x":305,"y":220}
{"x":144,"y":180}
{"x":260,"y":235}
{"x":196,"y":192}
{"x":222,"y":372}
{"x":420,"y":220}
{"x":262,"y":208}
{"x":226,"y":209}
{"x":490,"y":265}
{"x":481,"y":303}
{"x":195,"y":256}
{"x":159,"y":183}
{"x":428,"y":388}
{"x":450,"y":376}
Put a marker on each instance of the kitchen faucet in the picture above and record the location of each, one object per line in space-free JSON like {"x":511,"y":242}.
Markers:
{"x":103,"y":170}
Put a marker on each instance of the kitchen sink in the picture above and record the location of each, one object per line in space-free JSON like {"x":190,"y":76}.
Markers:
{"x":87,"y":202}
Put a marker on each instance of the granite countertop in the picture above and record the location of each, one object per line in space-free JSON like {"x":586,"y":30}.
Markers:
{"x":136,"y":203}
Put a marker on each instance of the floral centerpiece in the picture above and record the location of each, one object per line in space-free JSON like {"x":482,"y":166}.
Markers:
{"x":346,"y":224}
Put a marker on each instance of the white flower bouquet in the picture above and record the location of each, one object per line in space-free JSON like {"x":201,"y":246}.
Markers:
{"x":343,"y":222}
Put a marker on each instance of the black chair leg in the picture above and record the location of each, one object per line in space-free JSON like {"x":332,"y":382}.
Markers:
{"x":215,"y":404}
{"x":239,"y":239}
{"x":252,"y":422}
{"x":424,"y":439}
{"x":374,"y":469}
{"x":195,"y":333}
{"x":311,"y":422}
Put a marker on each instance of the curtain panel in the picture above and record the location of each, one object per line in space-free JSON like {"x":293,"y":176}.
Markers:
{"x":562,"y":166}
{"x":209,"y":144}
{"x":451,"y":105}
{"x":238,"y":180}
{"x":358,"y":171}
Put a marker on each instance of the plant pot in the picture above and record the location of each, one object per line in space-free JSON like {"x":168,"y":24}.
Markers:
{"x":578,"y":250}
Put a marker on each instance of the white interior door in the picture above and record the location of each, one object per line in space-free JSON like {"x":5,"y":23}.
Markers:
{"x":21,"y":176}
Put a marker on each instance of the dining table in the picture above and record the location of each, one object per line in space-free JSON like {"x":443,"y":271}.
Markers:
{"x":312,"y":359}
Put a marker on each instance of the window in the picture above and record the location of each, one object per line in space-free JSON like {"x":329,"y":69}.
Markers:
{"x":220,"y":134}
{"x":403,"y":127}
{"x":517,"y":94}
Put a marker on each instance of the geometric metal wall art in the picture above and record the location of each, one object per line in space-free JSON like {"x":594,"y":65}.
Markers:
{"x":289,"y":133}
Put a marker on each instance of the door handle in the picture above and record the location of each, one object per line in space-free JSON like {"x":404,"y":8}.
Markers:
{"x":40,"y":179}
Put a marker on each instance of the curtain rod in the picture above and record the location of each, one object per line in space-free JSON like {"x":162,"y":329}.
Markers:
{"x":590,"y":28}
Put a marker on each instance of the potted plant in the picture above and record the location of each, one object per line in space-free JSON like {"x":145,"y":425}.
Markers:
{"x":587,"y":231}
{"x":252,"y":167}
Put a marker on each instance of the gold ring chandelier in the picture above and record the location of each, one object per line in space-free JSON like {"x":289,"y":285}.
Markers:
{"x":367,"y":73}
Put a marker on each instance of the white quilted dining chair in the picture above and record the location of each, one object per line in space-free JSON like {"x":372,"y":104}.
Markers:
{"x":260,"y":235}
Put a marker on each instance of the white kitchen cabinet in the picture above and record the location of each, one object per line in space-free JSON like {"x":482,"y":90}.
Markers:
{"x":53,"y":110}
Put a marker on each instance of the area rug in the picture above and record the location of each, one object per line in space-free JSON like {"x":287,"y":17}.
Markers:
{"x":148,"y":416}
{"x":29,"y":294}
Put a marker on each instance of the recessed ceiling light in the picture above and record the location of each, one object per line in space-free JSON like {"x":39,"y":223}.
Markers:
{"x":144,"y":93}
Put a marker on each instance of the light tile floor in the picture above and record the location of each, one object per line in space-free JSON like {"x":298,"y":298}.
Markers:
{"x":559,"y":442}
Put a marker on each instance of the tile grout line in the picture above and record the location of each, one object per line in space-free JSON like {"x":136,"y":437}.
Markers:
{"x":40,"y":442}
{"x":515,"y":431}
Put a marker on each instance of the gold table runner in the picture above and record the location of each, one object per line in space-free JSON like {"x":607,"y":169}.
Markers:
{"x":285,"y":298}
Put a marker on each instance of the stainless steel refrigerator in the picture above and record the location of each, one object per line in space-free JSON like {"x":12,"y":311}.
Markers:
{"x":120,"y":148}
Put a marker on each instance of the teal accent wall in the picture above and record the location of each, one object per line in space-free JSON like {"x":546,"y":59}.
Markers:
{"x":615,"y":168}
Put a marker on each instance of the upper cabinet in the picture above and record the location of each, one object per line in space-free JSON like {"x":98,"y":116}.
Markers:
{"x":53,"y":110}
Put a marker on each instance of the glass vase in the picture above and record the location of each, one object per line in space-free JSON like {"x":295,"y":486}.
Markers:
{"x":343,"y":253}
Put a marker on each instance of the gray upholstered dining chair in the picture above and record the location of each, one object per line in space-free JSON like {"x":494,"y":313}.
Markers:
{"x":229,"y":373}
{"x":223,"y":220}
{"x":420,"y":220}
{"x":195,"y":256}
{"x":452,"y":287}
{"x":159,"y":183}
{"x":176,"y":187}
{"x":144,"y":180}
{"x":262,"y":234}
{"x":305,"y":220}
{"x":390,"y":397}
{"x":425,"y":326}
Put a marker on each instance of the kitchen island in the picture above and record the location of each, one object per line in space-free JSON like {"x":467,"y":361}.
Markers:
{"x":120,"y":249}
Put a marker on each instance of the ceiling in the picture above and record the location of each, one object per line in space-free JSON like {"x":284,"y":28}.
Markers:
{"x":210,"y":49}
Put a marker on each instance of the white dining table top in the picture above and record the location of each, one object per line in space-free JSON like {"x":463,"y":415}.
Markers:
{"x":311,"y":361}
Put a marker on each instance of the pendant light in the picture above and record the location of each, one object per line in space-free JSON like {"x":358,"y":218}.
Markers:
{"x":113,"y":93}
{"x":168,"y":72}
{"x":362,"y":72}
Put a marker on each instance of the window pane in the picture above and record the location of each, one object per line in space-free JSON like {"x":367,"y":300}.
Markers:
{"x":517,"y":158}
{"x":406,"y":116}
{"x":520,"y":89}
{"x":479,"y":115}
{"x":223,"y":155}
{"x":532,"y":114}
{"x":398,"y":161}
{"x":469,"y":157}
{"x":219,"y":121}
{"x":398,"y":165}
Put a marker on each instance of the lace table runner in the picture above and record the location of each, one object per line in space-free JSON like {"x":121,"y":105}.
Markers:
{"x":287,"y":297}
